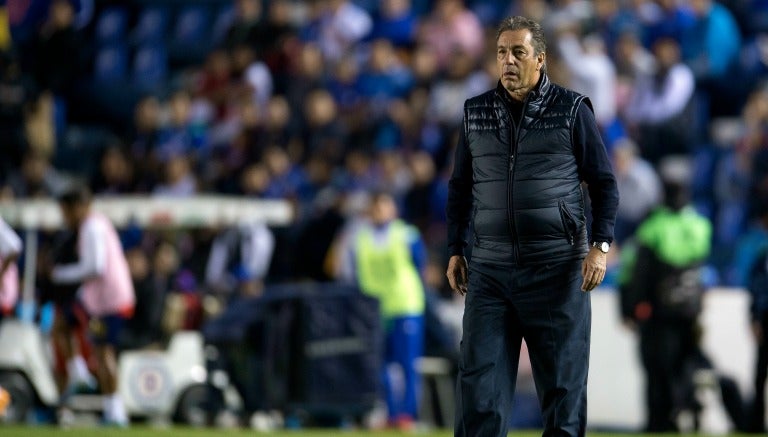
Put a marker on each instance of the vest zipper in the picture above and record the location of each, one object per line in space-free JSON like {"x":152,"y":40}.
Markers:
{"x":510,"y":213}
{"x":513,"y":141}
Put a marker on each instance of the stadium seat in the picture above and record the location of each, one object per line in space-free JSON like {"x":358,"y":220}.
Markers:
{"x":111,"y":26}
{"x":191,"y":24}
{"x":190,"y":39}
{"x":150,"y":67}
{"x":111,"y":64}
{"x":151,"y":26}
{"x":224,"y":18}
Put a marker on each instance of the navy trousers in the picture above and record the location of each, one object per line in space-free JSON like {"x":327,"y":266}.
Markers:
{"x":545,"y":306}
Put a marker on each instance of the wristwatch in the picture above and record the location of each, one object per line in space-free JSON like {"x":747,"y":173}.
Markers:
{"x":603,"y":246}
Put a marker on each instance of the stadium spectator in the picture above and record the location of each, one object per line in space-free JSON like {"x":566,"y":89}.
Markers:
{"x":592,"y":73}
{"x":307,"y":75}
{"x":460,"y":82}
{"x":323,"y":133}
{"x":417,"y":200}
{"x":383,"y":78}
{"x":280,"y":26}
{"x":115,"y":174}
{"x":396,"y":22}
{"x":213,"y":84}
{"x":254,"y":181}
{"x":665,"y":19}
{"x":183,"y":135}
{"x":59,"y":54}
{"x":659,"y":114}
{"x":37,"y":178}
{"x":285,"y":176}
{"x":710,"y":46}
{"x":252,"y":77}
{"x":247,"y":26}
{"x":239,"y":260}
{"x":612,"y":21}
{"x":449,"y":28}
{"x":712,"y":49}
{"x":755,"y":142}
{"x":639,"y":188}
{"x":144,"y":329}
{"x":17,"y":92}
{"x":340,"y":24}
{"x":180,"y":180}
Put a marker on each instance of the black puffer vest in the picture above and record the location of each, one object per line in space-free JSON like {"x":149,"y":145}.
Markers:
{"x":528,"y":206}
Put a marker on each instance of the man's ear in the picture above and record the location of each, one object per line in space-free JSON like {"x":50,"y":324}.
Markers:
{"x":540,"y":59}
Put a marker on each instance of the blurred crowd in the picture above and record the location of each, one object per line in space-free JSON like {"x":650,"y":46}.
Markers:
{"x":324,"y":101}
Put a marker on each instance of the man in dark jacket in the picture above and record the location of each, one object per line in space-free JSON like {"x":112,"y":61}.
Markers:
{"x":661,"y":296}
{"x":758,"y":289}
{"x":523,"y":153}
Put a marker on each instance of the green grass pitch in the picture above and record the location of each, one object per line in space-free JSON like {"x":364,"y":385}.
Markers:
{"x":16,"y":431}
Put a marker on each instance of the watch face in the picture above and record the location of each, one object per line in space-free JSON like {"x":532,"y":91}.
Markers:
{"x":602,"y":246}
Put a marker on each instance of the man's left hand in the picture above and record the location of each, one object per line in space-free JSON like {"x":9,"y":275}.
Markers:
{"x":593,"y":269}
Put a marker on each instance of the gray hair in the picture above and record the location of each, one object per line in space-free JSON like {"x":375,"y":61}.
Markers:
{"x":538,"y":41}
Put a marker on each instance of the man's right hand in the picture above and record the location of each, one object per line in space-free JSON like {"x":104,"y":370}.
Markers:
{"x":457,"y":274}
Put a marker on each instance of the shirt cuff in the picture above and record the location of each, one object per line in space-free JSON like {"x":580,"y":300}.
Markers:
{"x":455,"y":249}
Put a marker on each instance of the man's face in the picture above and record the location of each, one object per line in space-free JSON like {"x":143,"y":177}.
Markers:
{"x":383,"y":210}
{"x":519,"y":65}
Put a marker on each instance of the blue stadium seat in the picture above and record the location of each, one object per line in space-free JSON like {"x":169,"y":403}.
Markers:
{"x":150,"y":67}
{"x":224,"y":18}
{"x":111,"y":26}
{"x":111,"y":64}
{"x":192,"y":25}
{"x":151,"y":26}
{"x":190,"y":40}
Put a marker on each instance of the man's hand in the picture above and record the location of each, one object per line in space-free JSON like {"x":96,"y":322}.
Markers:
{"x":457,"y":274}
{"x":593,"y":269}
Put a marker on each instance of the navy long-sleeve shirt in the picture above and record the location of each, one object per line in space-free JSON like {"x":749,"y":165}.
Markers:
{"x":594,"y":168}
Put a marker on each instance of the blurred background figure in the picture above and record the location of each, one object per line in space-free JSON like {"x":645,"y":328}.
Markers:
{"x":239,"y":260}
{"x":10,"y":249}
{"x":660,"y":108}
{"x":592,"y":73}
{"x":639,"y":188}
{"x":106,"y":293}
{"x":758,"y":288}
{"x":387,"y":257}
{"x":662,"y":294}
